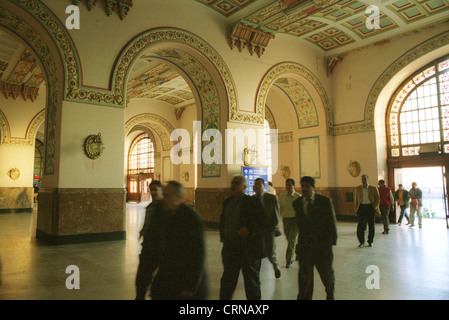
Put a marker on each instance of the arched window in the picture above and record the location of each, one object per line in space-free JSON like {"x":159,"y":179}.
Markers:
{"x":419,"y":112}
{"x":141,"y":155}
{"x":268,"y":163}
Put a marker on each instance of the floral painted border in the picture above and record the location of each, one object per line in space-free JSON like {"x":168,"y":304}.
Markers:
{"x":285,"y":68}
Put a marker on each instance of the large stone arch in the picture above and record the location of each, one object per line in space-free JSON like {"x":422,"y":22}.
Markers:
{"x":200,"y":65}
{"x":386,"y":84}
{"x":19,"y":23}
{"x":158,"y":123}
{"x":385,"y":87}
{"x":156,"y":36}
{"x":144,"y":128}
{"x":295,"y":70}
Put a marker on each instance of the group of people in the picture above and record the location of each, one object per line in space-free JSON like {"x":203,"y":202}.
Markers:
{"x":172,"y":260}
{"x":173,"y":242}
{"x":370,"y":200}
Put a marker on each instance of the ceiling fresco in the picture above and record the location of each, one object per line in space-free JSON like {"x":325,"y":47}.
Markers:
{"x":20,"y":75}
{"x":336,"y":26}
{"x":150,"y":78}
{"x":227,"y":7}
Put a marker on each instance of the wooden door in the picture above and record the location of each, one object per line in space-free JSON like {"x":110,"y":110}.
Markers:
{"x":134,"y":189}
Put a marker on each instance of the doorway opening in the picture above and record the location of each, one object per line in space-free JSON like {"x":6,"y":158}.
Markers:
{"x":432,"y":182}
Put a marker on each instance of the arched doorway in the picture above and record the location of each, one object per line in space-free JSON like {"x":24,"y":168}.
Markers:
{"x":176,"y":80}
{"x":418,"y":135}
{"x":297,"y":104}
{"x":24,"y":88}
{"x":140,"y":168}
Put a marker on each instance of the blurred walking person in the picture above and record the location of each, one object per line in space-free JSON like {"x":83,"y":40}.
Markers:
{"x":174,"y":246}
{"x":270,"y":205}
{"x":156,"y":196}
{"x":242,"y":223}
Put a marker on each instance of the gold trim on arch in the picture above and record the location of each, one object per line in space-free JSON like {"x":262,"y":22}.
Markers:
{"x":30,"y":134}
{"x":161,"y":126}
{"x":403,"y":61}
{"x":293,"y":68}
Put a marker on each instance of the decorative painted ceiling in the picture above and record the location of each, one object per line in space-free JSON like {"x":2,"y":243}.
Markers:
{"x":121,"y":6}
{"x":156,"y":80}
{"x":20,"y":74}
{"x":227,"y":7}
{"x":335,"y":26}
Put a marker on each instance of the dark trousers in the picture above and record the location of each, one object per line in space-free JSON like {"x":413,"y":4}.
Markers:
{"x":385,"y":215}
{"x":403,"y":213}
{"x":270,"y":247}
{"x":321,"y":257}
{"x":237,"y":257}
{"x":365,"y":215}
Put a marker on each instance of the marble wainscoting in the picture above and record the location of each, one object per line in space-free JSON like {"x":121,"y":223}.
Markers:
{"x":15,"y":200}
{"x":68,"y":216}
{"x":190,"y":196}
{"x":209,"y":204}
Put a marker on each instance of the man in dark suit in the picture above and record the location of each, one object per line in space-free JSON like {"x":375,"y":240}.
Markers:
{"x":271,"y":208}
{"x":174,"y":246}
{"x":317,"y":233}
{"x":241,"y":231}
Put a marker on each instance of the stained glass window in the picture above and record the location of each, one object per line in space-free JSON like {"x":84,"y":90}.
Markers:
{"x":419,"y":113}
{"x":141,"y":155}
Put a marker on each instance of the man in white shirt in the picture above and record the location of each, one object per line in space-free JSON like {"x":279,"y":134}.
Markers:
{"x":366,"y":205}
{"x":289,"y":218}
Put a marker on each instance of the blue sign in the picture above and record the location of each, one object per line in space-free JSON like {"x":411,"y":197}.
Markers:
{"x":251,"y":174}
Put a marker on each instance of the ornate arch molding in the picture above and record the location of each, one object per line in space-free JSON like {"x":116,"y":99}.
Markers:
{"x":73,"y":89}
{"x":31,"y":131}
{"x":155,"y":36}
{"x":4,"y":128}
{"x":34,"y":125}
{"x":270,"y":118}
{"x":211,"y":102}
{"x":400,"y":63}
{"x":302,"y":102}
{"x":285,"y":68}
{"x":37,"y":44}
{"x":159,"y":124}
{"x":147,"y":130}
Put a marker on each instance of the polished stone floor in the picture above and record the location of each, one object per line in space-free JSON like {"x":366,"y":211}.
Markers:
{"x":412,"y":264}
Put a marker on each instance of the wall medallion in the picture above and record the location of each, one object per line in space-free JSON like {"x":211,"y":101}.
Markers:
{"x":353,"y":168}
{"x":93,"y":146}
{"x":14,"y":173}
